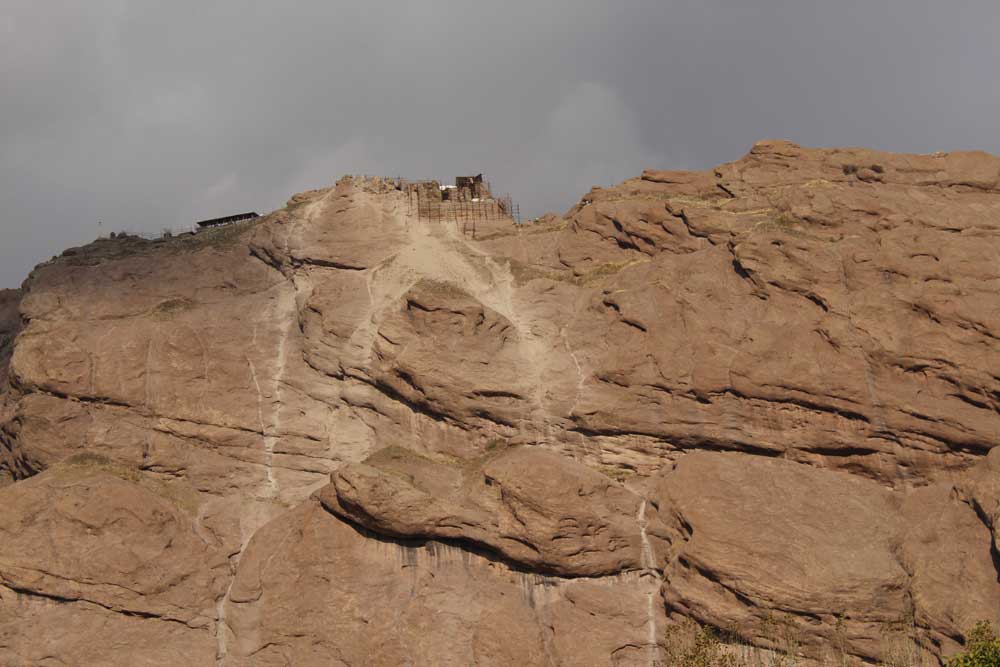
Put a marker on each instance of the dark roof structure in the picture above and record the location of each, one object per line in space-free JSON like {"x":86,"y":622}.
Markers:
{"x":239,"y":217}
{"x":468,"y":181}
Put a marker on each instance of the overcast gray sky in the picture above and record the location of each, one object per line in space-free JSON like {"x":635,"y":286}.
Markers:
{"x":154,"y":114}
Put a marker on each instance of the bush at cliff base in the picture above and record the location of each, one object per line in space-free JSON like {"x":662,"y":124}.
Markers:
{"x":983,"y":649}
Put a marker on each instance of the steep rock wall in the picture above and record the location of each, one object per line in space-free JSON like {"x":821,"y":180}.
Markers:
{"x":769,"y":389}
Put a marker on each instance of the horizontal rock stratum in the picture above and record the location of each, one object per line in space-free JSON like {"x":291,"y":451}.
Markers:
{"x":762,"y":395}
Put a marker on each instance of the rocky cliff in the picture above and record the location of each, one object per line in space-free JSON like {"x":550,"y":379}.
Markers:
{"x":762,"y":395}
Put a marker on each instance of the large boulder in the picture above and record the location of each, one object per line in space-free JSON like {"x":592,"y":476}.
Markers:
{"x":534,"y":508}
{"x":315,"y":590}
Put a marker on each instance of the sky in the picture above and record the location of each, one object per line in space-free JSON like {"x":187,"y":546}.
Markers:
{"x":152,"y":115}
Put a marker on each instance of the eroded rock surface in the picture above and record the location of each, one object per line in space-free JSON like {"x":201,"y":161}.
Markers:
{"x":422,"y":603}
{"x":538,"y":510}
{"x":10,"y":321}
{"x":762,"y":534}
{"x":343,"y":435}
{"x":10,"y":324}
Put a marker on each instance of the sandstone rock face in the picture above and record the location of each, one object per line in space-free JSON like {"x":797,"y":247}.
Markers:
{"x":351,"y":597}
{"x":766,"y":533}
{"x":538,"y":510}
{"x":10,"y":322}
{"x":84,"y":551}
{"x":762,"y":395}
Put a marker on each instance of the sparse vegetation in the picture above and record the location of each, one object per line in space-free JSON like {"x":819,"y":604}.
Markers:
{"x":176,"y":491}
{"x":616,"y":473}
{"x":121,"y":245}
{"x":982,"y":649}
{"x":441,"y":289}
{"x":783,"y":220}
{"x":851,"y":169}
{"x":898,"y":647}
{"x":384,"y":458}
{"x":90,"y":461}
{"x":689,"y":645}
{"x":496,"y":444}
{"x":526,"y":230}
{"x":602,"y":271}
{"x":524,"y":273}
{"x":173,"y":306}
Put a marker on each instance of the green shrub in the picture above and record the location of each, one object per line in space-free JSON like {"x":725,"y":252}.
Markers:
{"x":983,"y":648}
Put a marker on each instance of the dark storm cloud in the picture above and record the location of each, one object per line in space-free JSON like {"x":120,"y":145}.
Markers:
{"x":151,"y":115}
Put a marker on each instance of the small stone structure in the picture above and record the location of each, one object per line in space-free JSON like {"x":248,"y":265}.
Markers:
{"x":226,"y":220}
{"x":470,"y":188}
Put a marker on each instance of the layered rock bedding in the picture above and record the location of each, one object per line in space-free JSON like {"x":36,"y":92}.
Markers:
{"x":764,"y":395}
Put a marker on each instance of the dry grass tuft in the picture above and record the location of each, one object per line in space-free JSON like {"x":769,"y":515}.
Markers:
{"x":687,"y":644}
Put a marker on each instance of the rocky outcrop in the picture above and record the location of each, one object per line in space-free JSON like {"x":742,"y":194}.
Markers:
{"x":348,"y":596}
{"x":792,"y":305}
{"x":762,"y":394}
{"x":99,"y":565}
{"x":10,"y":324}
{"x":80,"y":532}
{"x":839,"y":552}
{"x":538,"y":510}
